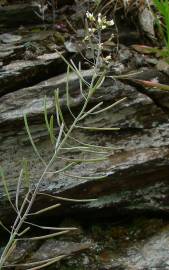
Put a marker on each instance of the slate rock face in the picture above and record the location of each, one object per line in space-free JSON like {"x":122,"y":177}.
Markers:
{"x":18,"y":14}
{"x":141,"y":243}
{"x":132,"y":176}
{"x":135,"y":172}
{"x":25,"y":13}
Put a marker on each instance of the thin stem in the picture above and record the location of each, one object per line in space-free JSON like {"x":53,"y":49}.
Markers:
{"x":24,"y":213}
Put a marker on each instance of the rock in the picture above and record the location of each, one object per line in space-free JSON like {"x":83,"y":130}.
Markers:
{"x":27,"y":13}
{"x":163,"y":66}
{"x":29,"y":57}
{"x":22,"y":251}
{"x":124,"y":54}
{"x":19,"y":73}
{"x":71,"y":47}
{"x":131,"y":176}
{"x":138,"y":243}
{"x":153,"y":254}
{"x":135,"y":172}
{"x":31,"y":101}
{"x":19,"y":14}
{"x":52,"y":248}
{"x":160,"y":97}
{"x":147,"y":20}
{"x":9,"y":38}
{"x":29,"y":252}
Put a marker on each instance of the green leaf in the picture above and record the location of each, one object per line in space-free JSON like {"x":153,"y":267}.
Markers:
{"x":52,"y":136}
{"x":26,"y":173}
{"x":31,"y":139}
{"x":5,"y":184}
{"x":58,"y":109}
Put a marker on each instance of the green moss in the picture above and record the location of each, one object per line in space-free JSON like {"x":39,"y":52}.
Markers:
{"x":59,"y":38}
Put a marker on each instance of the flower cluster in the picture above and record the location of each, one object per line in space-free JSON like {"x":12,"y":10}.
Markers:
{"x":94,"y":39}
{"x":101,"y":22}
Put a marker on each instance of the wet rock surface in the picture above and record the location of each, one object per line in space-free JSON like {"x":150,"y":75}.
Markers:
{"x":133,"y":178}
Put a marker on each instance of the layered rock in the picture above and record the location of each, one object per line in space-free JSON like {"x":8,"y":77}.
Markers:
{"x":135,"y":170}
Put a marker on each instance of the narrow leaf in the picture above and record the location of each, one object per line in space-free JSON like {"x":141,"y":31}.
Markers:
{"x":98,"y":129}
{"x":44,"y":236}
{"x":52,"y":136}
{"x":45,"y":209}
{"x":5,"y":185}
{"x":31,"y":140}
{"x":66,"y":199}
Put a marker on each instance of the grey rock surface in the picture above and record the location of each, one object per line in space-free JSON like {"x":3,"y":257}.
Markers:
{"x":130,"y":179}
{"x":135,"y":171}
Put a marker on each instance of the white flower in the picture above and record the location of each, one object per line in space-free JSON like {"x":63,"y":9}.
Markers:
{"x":110,"y":23}
{"x":99,"y":19}
{"x":91,"y":30}
{"x":103,"y":26}
{"x":100,"y":46}
{"x":102,"y":21}
{"x":108,"y":57}
{"x":90,"y":16}
{"x":86,"y":38}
